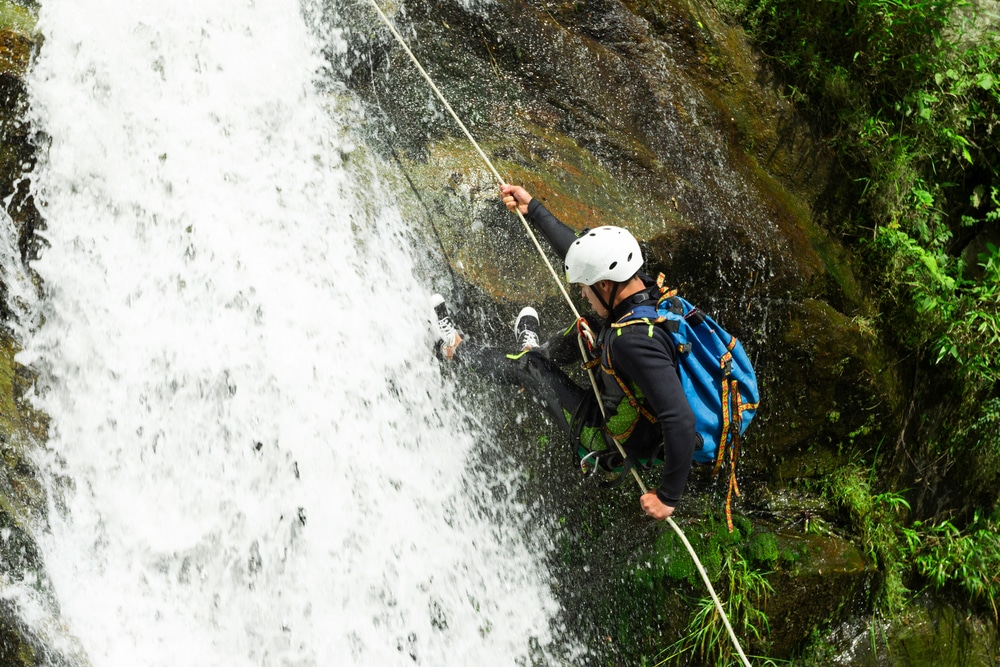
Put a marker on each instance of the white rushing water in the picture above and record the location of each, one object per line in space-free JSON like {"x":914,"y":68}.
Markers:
{"x":253,"y":458}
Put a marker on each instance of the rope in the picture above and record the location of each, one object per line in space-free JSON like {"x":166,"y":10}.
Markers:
{"x":576,"y":313}
{"x":670,"y":521}
{"x":475,"y":144}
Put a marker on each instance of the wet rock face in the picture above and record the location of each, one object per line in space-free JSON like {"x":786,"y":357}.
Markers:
{"x":17,"y":152}
{"x":827,"y":578}
{"x":931,"y":634}
{"x":22,"y":502}
{"x":654,"y":117}
{"x":21,"y":498}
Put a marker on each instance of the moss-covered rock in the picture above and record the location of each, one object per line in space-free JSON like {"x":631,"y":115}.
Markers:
{"x":847,"y":394}
{"x":931,"y":632}
{"x":21,"y":503}
{"x":21,"y":497}
{"x":820,"y":580}
{"x":18,"y":39}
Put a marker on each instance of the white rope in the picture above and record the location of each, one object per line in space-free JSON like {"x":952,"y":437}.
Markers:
{"x":475,"y":144}
{"x":576,"y":314}
{"x":670,"y":520}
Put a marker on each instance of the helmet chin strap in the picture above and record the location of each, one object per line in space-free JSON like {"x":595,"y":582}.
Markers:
{"x":607,"y":306}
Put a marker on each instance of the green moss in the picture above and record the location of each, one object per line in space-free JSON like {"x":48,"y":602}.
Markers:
{"x":762,"y":548}
{"x":877,"y":519}
{"x":20,"y":493}
{"x":20,"y":496}
{"x":848,"y":403}
{"x":16,"y":17}
{"x":17,"y":37}
{"x":18,"y":420}
{"x":709,"y":538}
{"x":14,"y":651}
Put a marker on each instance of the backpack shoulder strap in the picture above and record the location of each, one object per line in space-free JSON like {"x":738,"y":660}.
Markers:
{"x":639,"y":315}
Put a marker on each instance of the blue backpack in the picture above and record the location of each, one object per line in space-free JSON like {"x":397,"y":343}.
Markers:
{"x":716,"y":374}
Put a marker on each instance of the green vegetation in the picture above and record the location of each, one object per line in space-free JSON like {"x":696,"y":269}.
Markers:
{"x":877,"y":519}
{"x":976,"y":445}
{"x":924,"y":554}
{"x":710,"y":539}
{"x":667,"y":588}
{"x":970,"y":559}
{"x":908,"y":97}
{"x":706,"y":636}
{"x":931,"y":554}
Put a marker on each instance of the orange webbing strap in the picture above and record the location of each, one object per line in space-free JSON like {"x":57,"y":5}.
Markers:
{"x":727,"y":415}
{"x":665,"y":292}
{"x":734,"y":453}
{"x":629,"y":395}
{"x":640,"y":410}
{"x":732,"y":418}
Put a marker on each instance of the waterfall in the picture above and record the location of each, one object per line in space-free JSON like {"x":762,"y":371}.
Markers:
{"x":253,"y":457}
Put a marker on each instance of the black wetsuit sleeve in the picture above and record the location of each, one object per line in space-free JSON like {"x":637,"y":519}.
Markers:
{"x":559,"y":236}
{"x":650,"y":363}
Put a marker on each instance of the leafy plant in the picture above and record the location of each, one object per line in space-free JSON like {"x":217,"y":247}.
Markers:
{"x":945,"y":555}
{"x":959,"y":314}
{"x":976,"y":445}
{"x":908,"y":96}
{"x":877,"y":520}
{"x":746,"y":592}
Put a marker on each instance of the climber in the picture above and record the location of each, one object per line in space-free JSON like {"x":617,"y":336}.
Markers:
{"x":646,"y":409}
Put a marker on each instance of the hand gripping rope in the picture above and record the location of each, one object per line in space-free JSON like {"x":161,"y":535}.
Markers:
{"x":576,"y":314}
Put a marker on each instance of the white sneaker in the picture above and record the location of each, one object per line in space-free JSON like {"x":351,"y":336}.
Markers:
{"x":448,"y":333}
{"x":526,"y":328}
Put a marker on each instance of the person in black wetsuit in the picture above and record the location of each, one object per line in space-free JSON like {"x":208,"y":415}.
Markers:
{"x":605,"y":263}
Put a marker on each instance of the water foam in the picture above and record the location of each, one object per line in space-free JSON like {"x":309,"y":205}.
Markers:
{"x":253,"y":459}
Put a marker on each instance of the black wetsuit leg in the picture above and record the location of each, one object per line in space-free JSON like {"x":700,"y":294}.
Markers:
{"x":573,"y":409}
{"x":561,"y":397}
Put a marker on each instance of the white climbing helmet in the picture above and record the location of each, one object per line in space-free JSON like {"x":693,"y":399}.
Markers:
{"x":605,"y":253}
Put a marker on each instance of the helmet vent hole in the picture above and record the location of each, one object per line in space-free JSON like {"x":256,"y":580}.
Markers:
{"x":629,"y":257}
{"x":613,"y":265}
